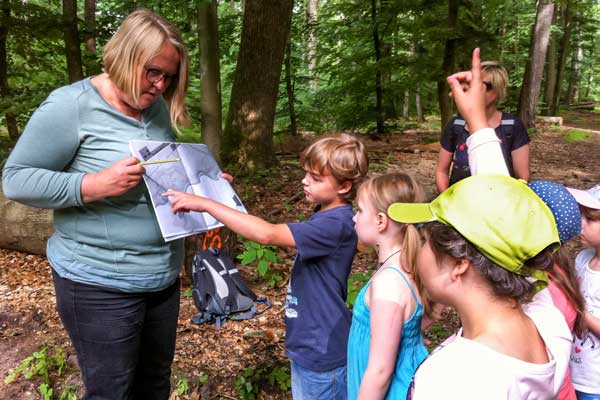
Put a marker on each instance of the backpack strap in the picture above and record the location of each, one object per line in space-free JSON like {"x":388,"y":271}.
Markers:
{"x":243,"y":288}
{"x":507,"y":126}
{"x":234,"y":274}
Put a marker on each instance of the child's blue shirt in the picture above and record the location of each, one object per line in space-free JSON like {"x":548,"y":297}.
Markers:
{"x":317,"y":318}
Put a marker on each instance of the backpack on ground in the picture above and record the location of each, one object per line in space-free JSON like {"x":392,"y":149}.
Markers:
{"x":219,"y":292}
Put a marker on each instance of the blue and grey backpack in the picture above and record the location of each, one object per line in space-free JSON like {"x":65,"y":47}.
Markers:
{"x":219,"y":292}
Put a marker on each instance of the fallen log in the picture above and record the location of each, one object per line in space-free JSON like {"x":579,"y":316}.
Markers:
{"x":24,"y":228}
{"x":582,"y":106}
{"x":549,"y":120}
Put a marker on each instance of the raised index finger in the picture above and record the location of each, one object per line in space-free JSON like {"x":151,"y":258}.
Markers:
{"x":476,"y":66}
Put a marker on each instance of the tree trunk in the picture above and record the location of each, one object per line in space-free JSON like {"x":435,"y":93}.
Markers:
{"x":90,"y":25}
{"x":378,"y":88}
{"x":72,"y":43}
{"x":420,"y":116}
{"x":210,"y":77}
{"x":312,"y":15}
{"x":406,"y":105}
{"x":447,"y":64}
{"x":11,"y":120}
{"x":576,"y":61}
{"x":590,"y":79}
{"x":567,"y":17}
{"x":550,"y":69}
{"x":24,"y":228}
{"x":249,"y":128}
{"x":388,"y":15}
{"x":289,"y":86}
{"x":535,"y":64}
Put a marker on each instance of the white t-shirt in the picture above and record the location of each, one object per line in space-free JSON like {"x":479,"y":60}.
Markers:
{"x":585,"y":354}
{"x":465,"y":369}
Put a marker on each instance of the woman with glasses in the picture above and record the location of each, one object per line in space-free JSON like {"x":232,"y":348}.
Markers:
{"x":116,"y":279}
{"x":508,"y":127}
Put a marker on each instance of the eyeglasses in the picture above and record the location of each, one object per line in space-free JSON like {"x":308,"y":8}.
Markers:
{"x":488,"y":86}
{"x":154,"y":76}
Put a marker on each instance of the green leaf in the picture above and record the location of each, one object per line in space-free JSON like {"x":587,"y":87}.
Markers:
{"x":249,"y":256}
{"x":262,"y":267}
{"x":202,"y":378}
{"x":271,"y":256}
{"x":10,"y":378}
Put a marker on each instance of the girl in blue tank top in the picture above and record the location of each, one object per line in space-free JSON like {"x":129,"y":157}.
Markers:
{"x":385,"y":346}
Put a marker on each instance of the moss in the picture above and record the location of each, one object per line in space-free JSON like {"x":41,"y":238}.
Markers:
{"x":575,"y":135}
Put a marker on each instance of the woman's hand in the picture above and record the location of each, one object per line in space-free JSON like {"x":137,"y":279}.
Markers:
{"x":115,"y":180}
{"x":470,"y":101}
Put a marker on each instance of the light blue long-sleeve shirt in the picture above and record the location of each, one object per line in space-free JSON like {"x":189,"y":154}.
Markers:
{"x":115,"y":242}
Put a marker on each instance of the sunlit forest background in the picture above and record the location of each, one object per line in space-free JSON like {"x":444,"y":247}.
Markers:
{"x":372,"y":66}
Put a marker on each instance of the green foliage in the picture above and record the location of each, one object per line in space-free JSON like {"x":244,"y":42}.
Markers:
{"x":280,"y":376}
{"x":187,"y":292}
{"x":340,"y":94}
{"x":245,"y":384}
{"x":38,"y":364}
{"x":69,"y":393}
{"x":263,"y":257}
{"x":355,"y":284}
{"x":182,"y":386}
{"x":46,"y":391}
{"x":47,"y":362}
{"x":250,"y":382}
{"x":575,"y":135}
{"x":202,"y":378}
{"x":189,"y":134}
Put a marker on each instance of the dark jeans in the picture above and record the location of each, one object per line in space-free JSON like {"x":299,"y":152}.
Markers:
{"x":124,"y":342}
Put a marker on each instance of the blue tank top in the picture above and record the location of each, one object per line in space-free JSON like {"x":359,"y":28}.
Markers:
{"x":411,"y":352}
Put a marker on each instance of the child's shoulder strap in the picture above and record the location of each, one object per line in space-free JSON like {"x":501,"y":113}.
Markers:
{"x":412,"y":290}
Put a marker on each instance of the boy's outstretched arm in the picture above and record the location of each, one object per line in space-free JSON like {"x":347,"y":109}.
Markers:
{"x":246,"y":225}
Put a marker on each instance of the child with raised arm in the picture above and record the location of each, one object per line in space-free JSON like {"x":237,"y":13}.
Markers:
{"x":385,"y":345}
{"x":488,"y":242}
{"x":316,"y":315}
{"x":585,"y":354}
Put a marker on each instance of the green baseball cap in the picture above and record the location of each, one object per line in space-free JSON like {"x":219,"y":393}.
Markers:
{"x":501,"y":216}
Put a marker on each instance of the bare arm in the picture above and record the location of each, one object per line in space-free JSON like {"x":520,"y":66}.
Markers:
{"x":520,"y":161}
{"x":442,"y":170}
{"x":593,"y":323}
{"x":387,"y":318}
{"x":246,"y":225}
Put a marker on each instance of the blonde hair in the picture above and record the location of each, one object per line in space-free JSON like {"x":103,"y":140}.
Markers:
{"x":138,"y":39}
{"x":343,"y":156}
{"x":382,"y":191}
{"x":497,"y":76}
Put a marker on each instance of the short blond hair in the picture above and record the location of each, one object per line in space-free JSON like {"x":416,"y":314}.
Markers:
{"x":343,"y":156}
{"x":497,"y":75}
{"x":138,"y":39}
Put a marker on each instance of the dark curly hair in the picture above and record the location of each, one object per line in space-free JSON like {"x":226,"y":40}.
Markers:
{"x":445,"y":241}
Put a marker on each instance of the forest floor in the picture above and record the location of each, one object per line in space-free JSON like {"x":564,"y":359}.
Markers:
{"x":248,"y":356}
